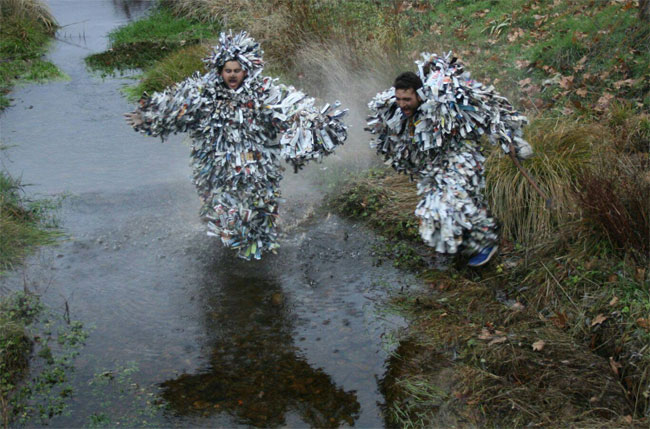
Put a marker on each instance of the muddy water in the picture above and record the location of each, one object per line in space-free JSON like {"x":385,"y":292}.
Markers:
{"x":188,"y":334}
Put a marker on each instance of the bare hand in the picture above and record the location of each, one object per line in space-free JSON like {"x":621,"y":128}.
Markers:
{"x":133,"y":118}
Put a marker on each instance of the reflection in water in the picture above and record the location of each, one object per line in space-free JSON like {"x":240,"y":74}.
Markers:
{"x":129,"y":7}
{"x":256,"y":373}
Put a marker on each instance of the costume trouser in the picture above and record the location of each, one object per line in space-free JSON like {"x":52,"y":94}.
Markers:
{"x":240,"y":200}
{"x":453,"y":212}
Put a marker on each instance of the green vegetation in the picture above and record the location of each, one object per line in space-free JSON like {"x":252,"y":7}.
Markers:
{"x":37,"y":349}
{"x":23,"y":224}
{"x":26,"y":27}
{"x":554,"y":332}
{"x":142,"y":43}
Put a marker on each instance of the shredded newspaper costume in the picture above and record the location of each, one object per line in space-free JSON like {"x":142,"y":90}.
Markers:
{"x":440,"y":145}
{"x":235,"y":150}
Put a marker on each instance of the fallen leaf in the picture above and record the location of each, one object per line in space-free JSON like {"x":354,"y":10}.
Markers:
{"x":626,"y":82}
{"x":582,"y":92}
{"x":566,"y":82}
{"x":538,"y":345}
{"x":644,"y":323}
{"x":640,"y":274}
{"x":525,"y":82}
{"x":521,"y":64}
{"x":603,"y":102}
{"x":613,"y":302}
{"x":567,"y":111}
{"x":485,"y":334}
{"x":497,"y":340}
{"x":598,"y":319}
{"x":560,"y":320}
{"x":517,"y":306}
{"x":615,"y":366}
{"x":628,"y":419}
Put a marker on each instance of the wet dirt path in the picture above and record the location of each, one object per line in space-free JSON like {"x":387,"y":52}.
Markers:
{"x":294,"y":339}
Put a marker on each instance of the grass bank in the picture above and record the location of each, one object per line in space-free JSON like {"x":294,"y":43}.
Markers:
{"x":554,"y":332}
{"x":26,"y":28}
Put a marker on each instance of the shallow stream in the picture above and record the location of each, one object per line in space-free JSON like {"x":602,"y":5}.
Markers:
{"x":297,"y":339}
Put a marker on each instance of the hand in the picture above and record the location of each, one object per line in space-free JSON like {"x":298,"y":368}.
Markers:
{"x":134,"y":119}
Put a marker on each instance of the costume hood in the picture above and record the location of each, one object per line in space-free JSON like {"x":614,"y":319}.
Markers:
{"x":239,"y":47}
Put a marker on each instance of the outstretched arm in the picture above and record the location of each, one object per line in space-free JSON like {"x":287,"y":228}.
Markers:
{"x":307,"y":132}
{"x":169,"y":111}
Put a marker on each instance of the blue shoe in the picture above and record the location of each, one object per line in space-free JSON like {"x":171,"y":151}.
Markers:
{"x":483,"y":256}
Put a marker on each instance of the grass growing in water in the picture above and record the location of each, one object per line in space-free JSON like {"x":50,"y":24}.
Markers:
{"x":26,"y":28}
{"x":141,"y":43}
{"x":23,"y":224}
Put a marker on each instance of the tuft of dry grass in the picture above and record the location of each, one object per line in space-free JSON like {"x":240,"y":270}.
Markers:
{"x":28,"y":10}
{"x":562,"y":151}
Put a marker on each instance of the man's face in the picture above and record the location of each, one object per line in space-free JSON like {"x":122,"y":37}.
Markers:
{"x":233,"y":74}
{"x":407,"y":100}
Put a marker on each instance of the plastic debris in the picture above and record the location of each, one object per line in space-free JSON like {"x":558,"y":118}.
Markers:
{"x":238,"y":137}
{"x":440,"y":146}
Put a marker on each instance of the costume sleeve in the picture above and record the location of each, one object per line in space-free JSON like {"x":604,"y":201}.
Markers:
{"x":174,"y":110}
{"x":505,"y":127}
{"x":307,"y":132}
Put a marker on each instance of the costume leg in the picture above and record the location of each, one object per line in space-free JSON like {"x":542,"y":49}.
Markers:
{"x":453,"y":212}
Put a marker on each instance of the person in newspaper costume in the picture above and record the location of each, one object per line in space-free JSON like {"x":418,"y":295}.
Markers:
{"x":241,"y":124}
{"x":429,"y":125}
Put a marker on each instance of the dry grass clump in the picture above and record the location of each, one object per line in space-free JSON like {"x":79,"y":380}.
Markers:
{"x":28,"y":10}
{"x":271,"y":23}
{"x":562,"y":151}
{"x":614,"y":192}
{"x":541,"y":377}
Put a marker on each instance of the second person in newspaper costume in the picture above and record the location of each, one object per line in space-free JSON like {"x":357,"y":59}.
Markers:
{"x":429,"y":125}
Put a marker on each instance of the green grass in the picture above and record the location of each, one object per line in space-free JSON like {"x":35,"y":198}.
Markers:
{"x":37,"y":342}
{"x":140,"y":44}
{"x":24,"y":225}
{"x":171,"y":69}
{"x":23,"y":41}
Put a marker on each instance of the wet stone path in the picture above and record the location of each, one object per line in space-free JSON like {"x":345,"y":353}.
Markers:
{"x":196,"y":336}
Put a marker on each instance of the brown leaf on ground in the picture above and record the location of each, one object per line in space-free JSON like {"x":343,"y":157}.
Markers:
{"x":566,"y":82}
{"x":567,"y":111}
{"x":603,"y":102}
{"x":515,"y":34}
{"x":521,"y":64}
{"x":582,"y":92}
{"x":643,"y":323}
{"x":613,"y":302}
{"x":560,"y":320}
{"x":497,"y":340}
{"x":538,"y":345}
{"x":640,"y":274}
{"x":626,"y":82}
{"x":599,"y":319}
{"x":615,"y":366}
